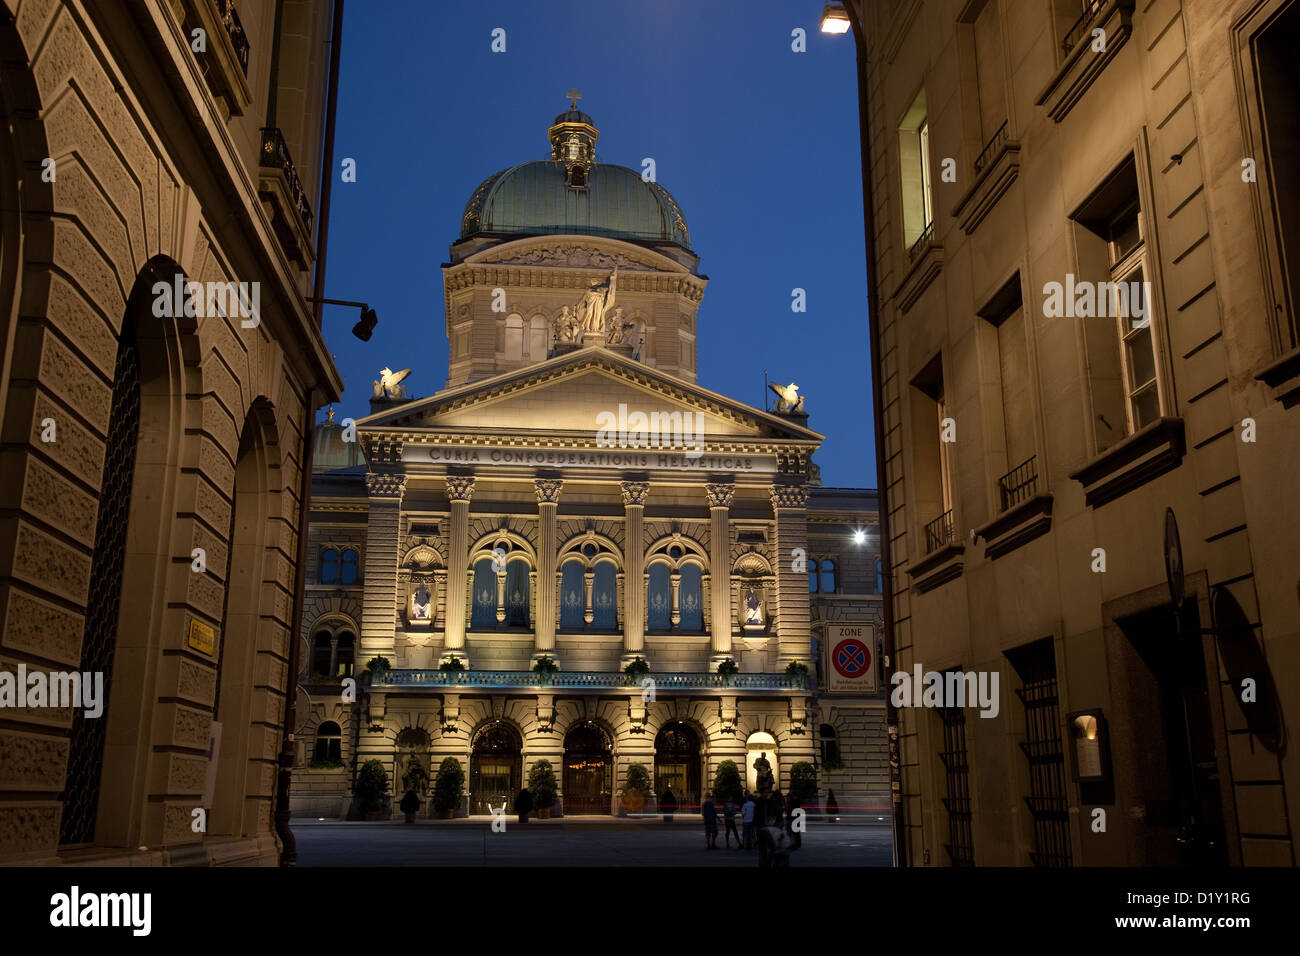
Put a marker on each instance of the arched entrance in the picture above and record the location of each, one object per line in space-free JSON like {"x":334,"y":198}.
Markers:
{"x":588,"y":770}
{"x":677,"y":765}
{"x":761,"y":747}
{"x":495,"y":767}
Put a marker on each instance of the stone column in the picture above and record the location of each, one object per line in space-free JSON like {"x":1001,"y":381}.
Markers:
{"x":548,"y":502}
{"x":460,"y":488}
{"x":720,"y":498}
{"x":634,"y":496}
{"x":379,"y":606}
{"x":793,"y":629}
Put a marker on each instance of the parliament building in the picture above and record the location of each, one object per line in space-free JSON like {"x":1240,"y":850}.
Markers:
{"x":575,"y":497}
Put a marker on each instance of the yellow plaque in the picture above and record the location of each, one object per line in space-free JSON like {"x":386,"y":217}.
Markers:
{"x":202,"y":637}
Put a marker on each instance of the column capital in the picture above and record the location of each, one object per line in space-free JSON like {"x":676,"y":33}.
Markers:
{"x":385,"y":486}
{"x":548,"y":490}
{"x":789,"y":496}
{"x":635,"y":492}
{"x":720,"y":494}
{"x":460,"y":487}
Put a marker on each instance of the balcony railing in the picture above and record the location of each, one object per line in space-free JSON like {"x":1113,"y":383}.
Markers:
{"x":235,"y":30}
{"x":1019,"y":484}
{"x":275,"y":155}
{"x":584,"y":679}
{"x":939,"y":532}
{"x":991,"y":149}
{"x":1080,"y":29}
{"x":922,"y":241}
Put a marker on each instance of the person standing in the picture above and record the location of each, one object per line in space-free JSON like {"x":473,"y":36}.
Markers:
{"x":747,"y":821}
{"x":729,"y":818}
{"x":667,"y":804}
{"x":709,"y":810}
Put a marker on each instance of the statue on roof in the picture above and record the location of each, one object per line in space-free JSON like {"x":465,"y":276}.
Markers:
{"x":598,"y":300}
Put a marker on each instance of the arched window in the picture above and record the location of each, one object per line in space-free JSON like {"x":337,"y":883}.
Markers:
{"x":604,"y":597}
{"x":320,"y":654}
{"x":484,"y":613}
{"x":828,"y":577}
{"x":517,"y":594}
{"x":329,"y":744}
{"x":573,"y":597}
{"x":344,"y":655}
{"x":514,"y":338}
{"x":539,"y":338}
{"x":690,"y":599}
{"x":659,"y":599}
{"x":329,"y":566}
{"x":830,"y":745}
{"x":351,"y":566}
{"x":812,"y":577}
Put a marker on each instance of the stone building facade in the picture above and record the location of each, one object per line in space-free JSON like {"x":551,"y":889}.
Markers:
{"x":573,"y":496}
{"x":152,"y":451}
{"x":1084,"y":282}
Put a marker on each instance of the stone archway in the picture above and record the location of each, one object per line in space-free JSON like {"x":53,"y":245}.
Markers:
{"x":496,"y":767}
{"x":761,"y":746}
{"x":588,"y":770}
{"x":678,"y":764}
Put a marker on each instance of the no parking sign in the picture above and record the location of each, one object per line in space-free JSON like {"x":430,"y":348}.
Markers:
{"x":850,"y":652}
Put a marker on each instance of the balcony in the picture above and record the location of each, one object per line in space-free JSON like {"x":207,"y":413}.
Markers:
{"x":225,"y":61}
{"x":924,"y":263}
{"x":608,"y":681}
{"x":938,"y":532}
{"x":285,"y":198}
{"x":943,"y":555}
{"x":1082,"y":26}
{"x":1019,"y":484}
{"x":1026,"y":514}
{"x":996,"y":168}
{"x":1081,"y":62}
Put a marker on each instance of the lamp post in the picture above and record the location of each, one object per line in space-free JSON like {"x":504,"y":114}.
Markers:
{"x":364,"y":328}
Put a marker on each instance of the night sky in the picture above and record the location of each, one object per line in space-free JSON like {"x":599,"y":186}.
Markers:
{"x":758,"y":144}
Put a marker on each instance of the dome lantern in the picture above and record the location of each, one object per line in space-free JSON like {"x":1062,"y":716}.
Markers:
{"x":573,"y":139}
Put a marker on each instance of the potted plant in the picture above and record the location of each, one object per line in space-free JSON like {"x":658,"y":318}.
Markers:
{"x":726,"y":783}
{"x":372,"y":784}
{"x":447,"y":787}
{"x":636,"y":669}
{"x":409,"y":805}
{"x":541,"y":785}
{"x":634,"y":791}
{"x":452,"y":665}
{"x":544,"y":667}
{"x":832,"y":808}
{"x":797,"y":671}
{"x":727,"y":669}
{"x":378,"y":666}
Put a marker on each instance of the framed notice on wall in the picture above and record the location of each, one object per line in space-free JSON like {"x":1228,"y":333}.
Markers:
{"x":850,"y":666}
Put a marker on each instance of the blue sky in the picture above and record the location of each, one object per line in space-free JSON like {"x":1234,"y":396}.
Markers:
{"x":758,"y":144}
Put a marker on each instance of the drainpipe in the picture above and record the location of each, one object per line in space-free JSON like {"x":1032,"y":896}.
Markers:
{"x":327,"y":165}
{"x":877,"y":397}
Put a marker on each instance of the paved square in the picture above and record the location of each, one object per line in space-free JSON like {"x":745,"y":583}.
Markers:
{"x":575,"y":841}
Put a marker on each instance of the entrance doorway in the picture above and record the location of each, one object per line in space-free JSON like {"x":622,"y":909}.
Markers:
{"x":588,"y":770}
{"x":677,"y":765}
{"x":1179,"y":772}
{"x":496,"y":768}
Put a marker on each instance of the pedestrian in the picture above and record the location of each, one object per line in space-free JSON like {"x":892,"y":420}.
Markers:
{"x":523,"y":805}
{"x":668,"y":803}
{"x":729,"y":818}
{"x":709,"y":810}
{"x":769,"y":820}
{"x":747,"y":820}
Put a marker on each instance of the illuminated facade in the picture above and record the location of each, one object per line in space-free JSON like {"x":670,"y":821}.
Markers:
{"x":574,"y":497}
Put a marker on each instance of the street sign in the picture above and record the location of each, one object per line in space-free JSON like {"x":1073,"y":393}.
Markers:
{"x":1174,"y":560}
{"x":850,"y":651}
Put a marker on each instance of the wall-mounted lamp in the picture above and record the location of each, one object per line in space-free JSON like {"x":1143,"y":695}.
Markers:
{"x":369,"y":320}
{"x":859,"y":536}
{"x":835,"y":19}
{"x":1090,"y":753}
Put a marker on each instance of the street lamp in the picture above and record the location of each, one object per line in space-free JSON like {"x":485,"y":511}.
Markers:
{"x":835,"y":19}
{"x":364,"y":328}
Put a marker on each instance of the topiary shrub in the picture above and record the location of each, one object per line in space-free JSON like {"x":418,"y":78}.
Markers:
{"x":541,"y":785}
{"x":797,"y":671}
{"x":452,"y":665}
{"x":728,"y":668}
{"x":378,"y":666}
{"x":636,"y":669}
{"x":372,"y":784}
{"x":726,"y":782}
{"x":636,"y":788}
{"x":803,"y":783}
{"x":447,"y":786}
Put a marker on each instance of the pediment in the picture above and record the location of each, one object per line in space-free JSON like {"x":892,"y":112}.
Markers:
{"x":579,"y":394}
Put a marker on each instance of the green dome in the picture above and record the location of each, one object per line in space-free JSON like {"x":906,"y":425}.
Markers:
{"x":535,"y":199}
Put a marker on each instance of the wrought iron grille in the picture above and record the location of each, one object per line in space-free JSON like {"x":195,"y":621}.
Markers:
{"x":1042,"y":747}
{"x":938,"y":532}
{"x":235,"y":30}
{"x":961,"y":845}
{"x":1020,"y":483}
{"x":275,"y":155}
{"x":1080,"y":29}
{"x":922,"y":241}
{"x":991,"y":149}
{"x":103,"y":601}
